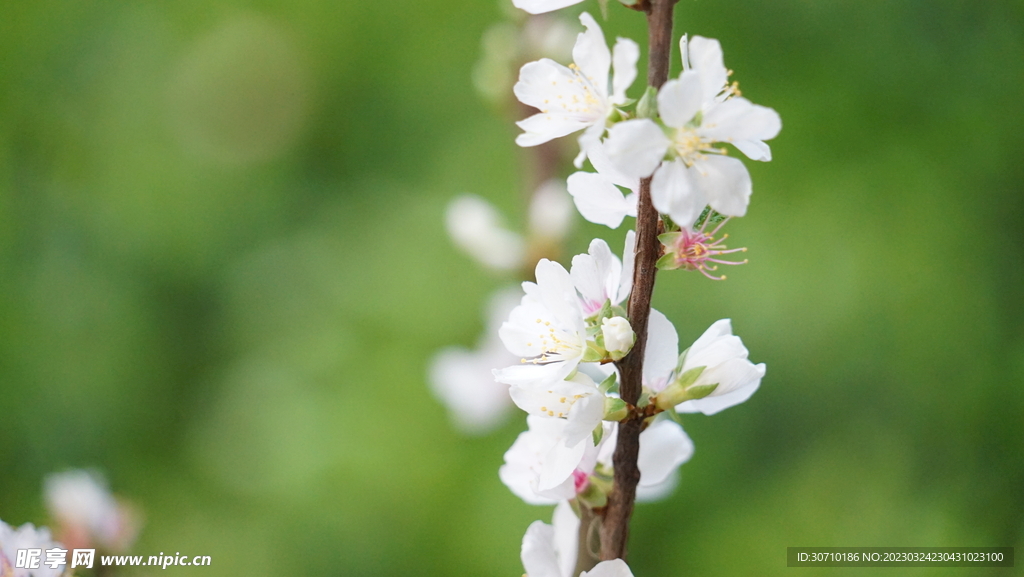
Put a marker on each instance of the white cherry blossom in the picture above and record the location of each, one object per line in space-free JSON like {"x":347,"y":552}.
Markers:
{"x":546,"y":329}
{"x":718,"y":350}
{"x":699,"y":109}
{"x":580,"y":96}
{"x":726,"y":360}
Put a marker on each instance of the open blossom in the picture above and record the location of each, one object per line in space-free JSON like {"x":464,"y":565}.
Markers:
{"x":722,"y":355}
{"x":576,"y":97}
{"x":462,"y":379}
{"x":550,"y":550}
{"x":699,"y":109}
{"x":727,"y":365}
{"x":87,"y":514}
{"x":546,"y":329}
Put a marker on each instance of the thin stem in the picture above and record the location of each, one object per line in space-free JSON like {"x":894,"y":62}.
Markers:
{"x":615,"y":527}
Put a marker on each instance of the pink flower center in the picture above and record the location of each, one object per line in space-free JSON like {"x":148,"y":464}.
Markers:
{"x":581,"y":480}
{"x":697,"y":250}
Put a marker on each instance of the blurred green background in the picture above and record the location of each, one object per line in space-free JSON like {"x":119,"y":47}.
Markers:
{"x":224,"y":270}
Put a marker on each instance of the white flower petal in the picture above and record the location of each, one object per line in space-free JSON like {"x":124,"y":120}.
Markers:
{"x":664,"y":446}
{"x":624,"y":59}
{"x":598,"y":155}
{"x":596,"y":275}
{"x":559,"y":464}
{"x":754,"y":149}
{"x":628,"y":258}
{"x":706,"y":58}
{"x":541,"y":128}
{"x":715,"y":403}
{"x":680,"y":100}
{"x":567,"y":530}
{"x":673,"y":193}
{"x":598,"y":200}
{"x":613,"y":568}
{"x":725,"y":183}
{"x":662,"y":351}
{"x":591,"y":54}
{"x":538,"y":551}
{"x":636,"y":147}
{"x":740,"y":119}
{"x":542,"y":6}
{"x":559,"y":294}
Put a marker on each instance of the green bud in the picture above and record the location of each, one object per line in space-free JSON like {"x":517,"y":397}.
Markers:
{"x":648,"y":105}
{"x":615,"y":409}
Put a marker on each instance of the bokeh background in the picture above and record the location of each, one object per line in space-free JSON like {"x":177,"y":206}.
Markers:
{"x":224,"y":271}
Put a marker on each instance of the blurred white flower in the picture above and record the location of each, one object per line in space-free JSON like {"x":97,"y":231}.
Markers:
{"x":463,"y":380}
{"x":550,"y":216}
{"x":87,"y":514}
{"x":477,"y":228}
{"x":26,"y":537}
{"x":578,"y":97}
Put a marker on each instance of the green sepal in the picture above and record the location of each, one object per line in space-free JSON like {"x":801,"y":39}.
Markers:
{"x":700,"y":391}
{"x":689,"y":377}
{"x":618,"y":311}
{"x":668,"y":237}
{"x":648,"y":105}
{"x":669,"y":224}
{"x":593,"y":353}
{"x":597,"y":433}
{"x":575,"y":506}
{"x":682,"y":359}
{"x":615,"y":409}
{"x":604,"y":8}
{"x":645,"y":398}
{"x":611,"y":382}
{"x":672,"y":415}
{"x":667,"y":262}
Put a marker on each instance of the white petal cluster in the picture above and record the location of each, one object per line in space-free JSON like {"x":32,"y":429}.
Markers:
{"x":26,"y":537}
{"x":698,"y":110}
{"x":581,"y":96}
{"x":720,"y":353}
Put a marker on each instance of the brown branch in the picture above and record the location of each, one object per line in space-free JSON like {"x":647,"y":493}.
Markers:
{"x":615,"y":527}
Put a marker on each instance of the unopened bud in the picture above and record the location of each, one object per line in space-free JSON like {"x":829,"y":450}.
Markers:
{"x":615,"y":409}
{"x":618,"y":337}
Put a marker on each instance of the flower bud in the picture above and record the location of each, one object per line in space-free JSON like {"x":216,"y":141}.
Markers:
{"x":618,"y":337}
